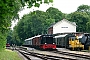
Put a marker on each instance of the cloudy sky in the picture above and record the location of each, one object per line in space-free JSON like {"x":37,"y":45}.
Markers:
{"x":65,"y":6}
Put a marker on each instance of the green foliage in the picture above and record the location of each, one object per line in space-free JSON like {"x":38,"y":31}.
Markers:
{"x":2,"y":41}
{"x":81,"y":18}
{"x":33,"y":24}
{"x":51,"y":1}
{"x":48,"y":1}
{"x":9,"y":11}
{"x":88,"y":26}
{"x":35,"y":3}
{"x":12,"y":38}
{"x":83,"y":8}
{"x":54,"y":13}
{"x":37,"y":22}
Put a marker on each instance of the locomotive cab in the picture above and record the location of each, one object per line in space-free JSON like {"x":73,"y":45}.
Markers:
{"x":47,"y":42}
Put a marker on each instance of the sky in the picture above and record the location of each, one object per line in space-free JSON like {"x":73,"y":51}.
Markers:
{"x":65,"y":6}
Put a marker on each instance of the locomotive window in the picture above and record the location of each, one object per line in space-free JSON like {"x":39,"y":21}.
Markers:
{"x":49,"y":40}
{"x":72,"y":38}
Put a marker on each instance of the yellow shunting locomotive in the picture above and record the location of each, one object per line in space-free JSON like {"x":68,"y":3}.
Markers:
{"x":68,"y":41}
{"x":74,"y":43}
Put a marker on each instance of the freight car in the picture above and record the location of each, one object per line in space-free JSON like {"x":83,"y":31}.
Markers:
{"x":68,"y":41}
{"x":41,"y":41}
{"x":85,"y":40}
{"x":7,"y":45}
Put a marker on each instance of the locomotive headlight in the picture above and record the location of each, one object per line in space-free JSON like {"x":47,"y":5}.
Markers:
{"x":45,"y":43}
{"x":53,"y":43}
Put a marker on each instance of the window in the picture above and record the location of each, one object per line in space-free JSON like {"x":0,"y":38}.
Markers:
{"x":47,"y":39}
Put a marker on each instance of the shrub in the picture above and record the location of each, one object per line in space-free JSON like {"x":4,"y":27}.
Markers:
{"x":2,"y":41}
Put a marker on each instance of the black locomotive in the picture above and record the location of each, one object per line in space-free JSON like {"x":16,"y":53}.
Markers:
{"x":85,"y":40}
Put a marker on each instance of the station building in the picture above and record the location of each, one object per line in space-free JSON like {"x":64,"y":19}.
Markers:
{"x":63,"y":26}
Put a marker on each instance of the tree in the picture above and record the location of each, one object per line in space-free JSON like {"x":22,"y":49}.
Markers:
{"x":33,"y":24}
{"x":83,"y":8}
{"x":2,"y":41}
{"x":9,"y":11}
{"x":9,"y":37}
{"x":81,"y":18}
{"x":88,"y":26}
{"x":54,"y":13}
{"x":35,"y":3}
{"x":84,"y":11}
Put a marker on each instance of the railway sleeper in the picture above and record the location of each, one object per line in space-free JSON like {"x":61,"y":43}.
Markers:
{"x":73,"y":54}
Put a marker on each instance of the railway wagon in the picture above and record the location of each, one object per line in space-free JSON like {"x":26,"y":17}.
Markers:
{"x":36,"y":41}
{"x":7,"y":45}
{"x":28,"y":42}
{"x":68,"y":41}
{"x":41,"y":41}
{"x":85,"y":40}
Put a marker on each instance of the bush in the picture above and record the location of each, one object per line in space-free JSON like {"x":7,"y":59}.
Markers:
{"x":2,"y":41}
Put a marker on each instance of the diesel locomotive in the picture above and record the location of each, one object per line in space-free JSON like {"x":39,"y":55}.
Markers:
{"x":41,"y":42}
{"x":69,"y":41}
{"x":85,"y":40}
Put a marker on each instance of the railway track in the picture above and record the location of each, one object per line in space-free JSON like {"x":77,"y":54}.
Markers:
{"x":42,"y":56}
{"x":72,"y":54}
{"x":27,"y":54}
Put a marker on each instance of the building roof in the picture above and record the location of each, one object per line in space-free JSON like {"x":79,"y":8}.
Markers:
{"x":38,"y":35}
{"x":29,"y":39}
{"x":60,"y":36}
{"x":73,"y":23}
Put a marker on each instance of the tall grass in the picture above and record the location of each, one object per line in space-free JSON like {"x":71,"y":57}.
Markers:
{"x":9,"y":55}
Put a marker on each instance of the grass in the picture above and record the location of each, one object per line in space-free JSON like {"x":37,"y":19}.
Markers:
{"x":9,"y":55}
